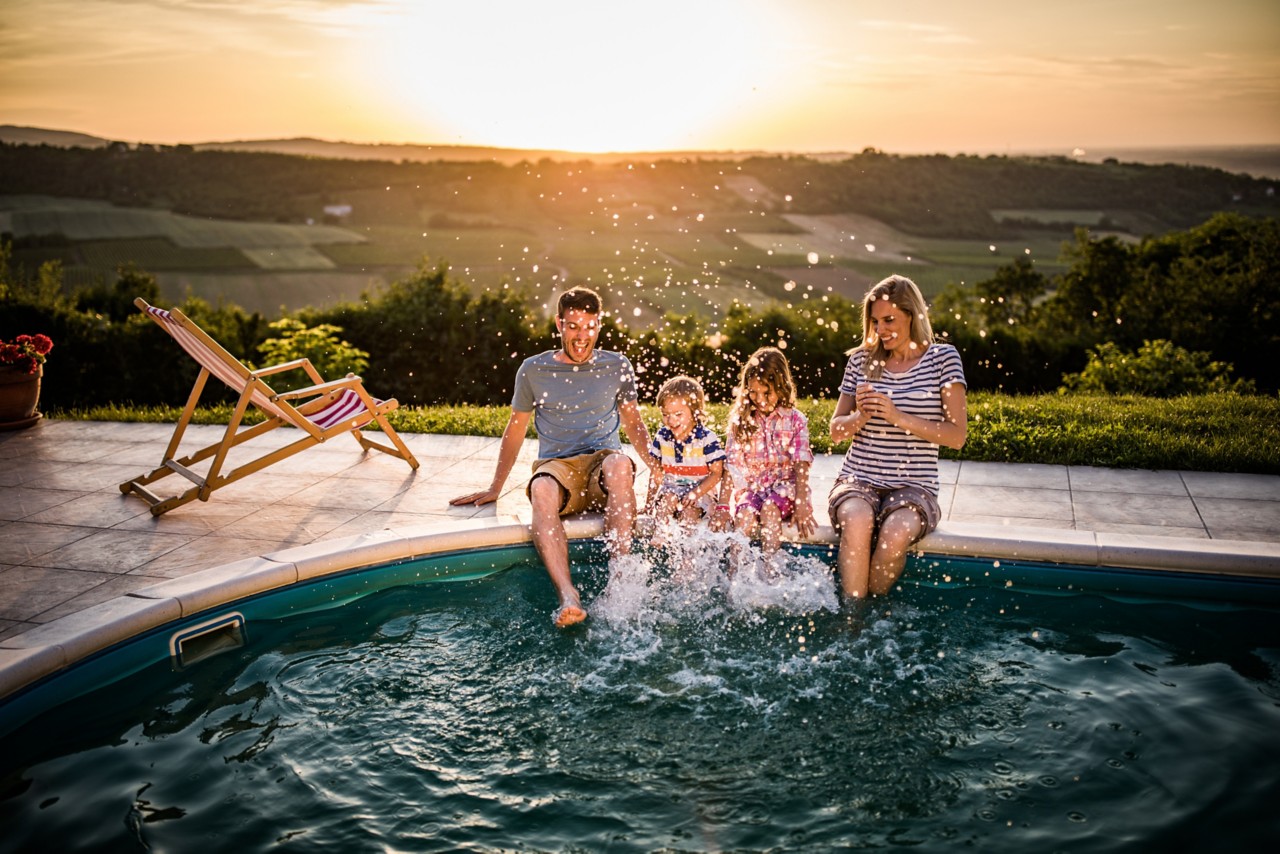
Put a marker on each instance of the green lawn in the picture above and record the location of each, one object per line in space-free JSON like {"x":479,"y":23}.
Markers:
{"x":1221,"y":432}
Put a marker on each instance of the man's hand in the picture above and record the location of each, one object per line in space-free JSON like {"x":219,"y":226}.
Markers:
{"x":487,"y":496}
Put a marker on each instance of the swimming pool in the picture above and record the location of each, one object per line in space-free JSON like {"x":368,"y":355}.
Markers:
{"x":1002,"y":704}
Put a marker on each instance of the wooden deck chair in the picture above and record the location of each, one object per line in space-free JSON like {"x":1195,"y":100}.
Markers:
{"x":331,"y":409}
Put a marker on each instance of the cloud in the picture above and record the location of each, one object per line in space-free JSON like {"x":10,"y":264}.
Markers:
{"x":928,"y":33}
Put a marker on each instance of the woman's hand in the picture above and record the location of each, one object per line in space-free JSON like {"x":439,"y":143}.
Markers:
{"x":877,"y":404}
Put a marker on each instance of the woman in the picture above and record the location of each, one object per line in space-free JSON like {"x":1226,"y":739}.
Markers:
{"x":902,"y":396}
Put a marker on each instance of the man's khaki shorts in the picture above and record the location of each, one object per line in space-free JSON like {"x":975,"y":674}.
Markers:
{"x":581,"y":478}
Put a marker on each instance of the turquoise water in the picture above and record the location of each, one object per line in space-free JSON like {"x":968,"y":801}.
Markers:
{"x":690,"y":713}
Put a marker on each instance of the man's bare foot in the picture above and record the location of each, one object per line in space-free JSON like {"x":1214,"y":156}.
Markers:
{"x":569,"y":615}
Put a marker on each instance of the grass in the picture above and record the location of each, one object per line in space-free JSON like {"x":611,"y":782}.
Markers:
{"x":1220,"y":432}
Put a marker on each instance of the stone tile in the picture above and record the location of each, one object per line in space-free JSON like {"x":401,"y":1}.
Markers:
{"x":1239,"y":515}
{"x":432,"y":498}
{"x":1145,"y":530}
{"x":132,"y":433}
{"x":264,"y":487}
{"x":1093,"y":479}
{"x":9,"y":628}
{"x":197,"y":517}
{"x":115,"y":585}
{"x":141,"y":456}
{"x":355,"y":493}
{"x":1260,"y":487}
{"x":1032,"y":475}
{"x":378,"y":466}
{"x":18,"y":502}
{"x":209,"y":551}
{"x":26,"y":591}
{"x":76,"y":450}
{"x":21,"y":541}
{"x":32,"y":471}
{"x":1111,"y":508}
{"x":317,"y":461}
{"x":1012,"y":521}
{"x":455,"y":447}
{"x":91,"y":477}
{"x":97,"y":509}
{"x":378,"y":520}
{"x":1226,"y":532}
{"x":946,"y":499}
{"x":826,"y":466}
{"x":1020,"y":502}
{"x":111,"y":551}
{"x":293,"y":524}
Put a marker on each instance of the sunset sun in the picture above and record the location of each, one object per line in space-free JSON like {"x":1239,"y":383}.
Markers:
{"x":576,"y":81}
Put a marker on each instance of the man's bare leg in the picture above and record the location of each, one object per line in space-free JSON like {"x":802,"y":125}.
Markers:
{"x":552,"y":544}
{"x":620,"y":507}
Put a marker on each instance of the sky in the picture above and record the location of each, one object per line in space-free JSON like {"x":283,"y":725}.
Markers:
{"x":904,"y":76}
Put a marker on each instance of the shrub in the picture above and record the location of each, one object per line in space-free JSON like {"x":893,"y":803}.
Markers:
{"x":328,"y":354}
{"x":1159,"y":368}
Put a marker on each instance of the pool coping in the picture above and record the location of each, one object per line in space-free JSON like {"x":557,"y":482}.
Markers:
{"x":43,"y":651}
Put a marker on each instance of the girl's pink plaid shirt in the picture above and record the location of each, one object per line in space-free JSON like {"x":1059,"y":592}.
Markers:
{"x":766,"y":461}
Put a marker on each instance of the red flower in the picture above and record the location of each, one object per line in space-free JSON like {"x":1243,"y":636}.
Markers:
{"x":26,"y":353}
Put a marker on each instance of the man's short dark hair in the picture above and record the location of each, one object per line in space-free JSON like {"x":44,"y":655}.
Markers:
{"x":578,"y":299}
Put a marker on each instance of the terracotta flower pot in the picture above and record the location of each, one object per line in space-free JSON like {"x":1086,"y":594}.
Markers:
{"x":19,"y":395}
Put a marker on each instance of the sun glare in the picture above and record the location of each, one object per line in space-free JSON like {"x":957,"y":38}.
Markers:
{"x":571,"y":75}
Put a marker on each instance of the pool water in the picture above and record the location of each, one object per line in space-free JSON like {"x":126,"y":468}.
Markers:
{"x":692,"y":712}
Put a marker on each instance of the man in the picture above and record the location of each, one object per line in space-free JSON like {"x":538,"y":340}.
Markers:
{"x":578,"y":397}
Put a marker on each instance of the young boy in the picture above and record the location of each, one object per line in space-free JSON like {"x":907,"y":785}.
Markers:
{"x":690,"y":455}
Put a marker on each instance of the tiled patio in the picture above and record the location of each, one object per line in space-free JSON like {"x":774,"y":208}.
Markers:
{"x":69,"y":539}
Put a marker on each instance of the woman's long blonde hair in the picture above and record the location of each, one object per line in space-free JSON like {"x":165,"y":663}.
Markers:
{"x":904,"y":294}
{"x":769,"y":366}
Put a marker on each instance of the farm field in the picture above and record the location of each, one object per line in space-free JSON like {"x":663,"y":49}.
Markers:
{"x":267,"y":292}
{"x":650,"y":257}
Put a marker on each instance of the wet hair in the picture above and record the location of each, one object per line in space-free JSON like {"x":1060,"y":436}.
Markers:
{"x":769,"y":366}
{"x":903,"y":293}
{"x":578,"y":299}
{"x":690,"y":391}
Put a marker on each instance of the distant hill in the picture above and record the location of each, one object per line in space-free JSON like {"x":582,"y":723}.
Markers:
{"x":414,"y":153}
{"x":1260,"y":161}
{"x":395,"y":152}
{"x":16,"y":134}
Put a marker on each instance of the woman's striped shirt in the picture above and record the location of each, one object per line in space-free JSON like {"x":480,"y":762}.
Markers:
{"x":888,"y":456}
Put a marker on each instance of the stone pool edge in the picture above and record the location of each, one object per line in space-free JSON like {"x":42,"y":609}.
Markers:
{"x":40,"y":652}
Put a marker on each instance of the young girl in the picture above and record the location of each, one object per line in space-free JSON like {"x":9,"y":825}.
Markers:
{"x":688,"y":453}
{"x":902,"y":396}
{"x":769,"y":455}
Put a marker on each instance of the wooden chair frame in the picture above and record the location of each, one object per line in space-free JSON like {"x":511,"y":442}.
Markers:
{"x":332,"y":408}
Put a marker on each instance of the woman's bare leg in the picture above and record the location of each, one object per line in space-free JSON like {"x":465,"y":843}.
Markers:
{"x":898,"y":531}
{"x":853,"y":561}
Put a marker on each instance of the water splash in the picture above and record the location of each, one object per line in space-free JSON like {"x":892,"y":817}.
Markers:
{"x":693,"y":574}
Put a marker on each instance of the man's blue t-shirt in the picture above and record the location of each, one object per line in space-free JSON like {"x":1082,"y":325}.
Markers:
{"x":575,"y":407}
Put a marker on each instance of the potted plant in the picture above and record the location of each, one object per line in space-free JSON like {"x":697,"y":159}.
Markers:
{"x":21,"y":367}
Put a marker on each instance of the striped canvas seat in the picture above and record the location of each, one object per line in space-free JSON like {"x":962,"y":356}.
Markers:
{"x":325,"y":409}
